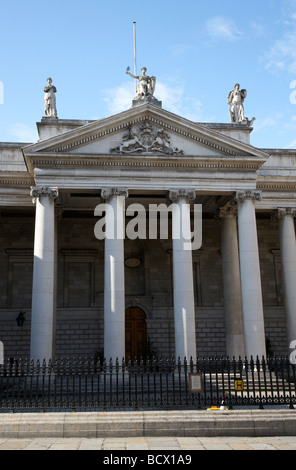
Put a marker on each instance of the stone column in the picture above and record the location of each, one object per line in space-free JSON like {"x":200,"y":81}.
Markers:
{"x":43,"y":294}
{"x":235,"y":340}
{"x":288,"y":261}
{"x":114,"y":288}
{"x":250,"y":274}
{"x":184,"y":308}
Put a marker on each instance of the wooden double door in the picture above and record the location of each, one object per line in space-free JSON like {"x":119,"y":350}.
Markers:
{"x":135,"y":333}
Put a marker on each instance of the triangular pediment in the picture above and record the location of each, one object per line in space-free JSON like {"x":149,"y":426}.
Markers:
{"x":145,"y":130}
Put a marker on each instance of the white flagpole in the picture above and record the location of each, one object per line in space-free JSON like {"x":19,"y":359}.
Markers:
{"x":135,"y":56}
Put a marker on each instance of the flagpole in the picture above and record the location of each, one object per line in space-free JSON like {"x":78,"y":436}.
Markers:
{"x":135,"y":56}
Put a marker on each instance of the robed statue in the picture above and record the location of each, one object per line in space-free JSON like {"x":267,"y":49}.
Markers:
{"x":236,"y":100}
{"x":50,"y":99}
{"x":236,"y":104}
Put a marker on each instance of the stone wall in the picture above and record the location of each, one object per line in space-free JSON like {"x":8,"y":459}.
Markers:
{"x":80,"y":287}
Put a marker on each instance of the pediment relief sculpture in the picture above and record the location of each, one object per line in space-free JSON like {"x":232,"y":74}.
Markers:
{"x":146,"y":139}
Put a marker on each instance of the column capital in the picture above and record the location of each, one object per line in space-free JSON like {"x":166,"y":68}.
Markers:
{"x":229,"y":209}
{"x":37,"y":191}
{"x":176,"y":194}
{"x":108,"y":192}
{"x":283,"y":211}
{"x":241,"y":196}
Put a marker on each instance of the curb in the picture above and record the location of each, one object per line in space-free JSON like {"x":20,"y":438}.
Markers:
{"x":242,"y":423}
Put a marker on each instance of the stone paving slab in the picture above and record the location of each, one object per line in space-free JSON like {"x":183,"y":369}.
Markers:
{"x":171,"y":444}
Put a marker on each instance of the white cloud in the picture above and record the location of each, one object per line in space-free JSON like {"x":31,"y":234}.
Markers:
{"x":23,"y":133}
{"x":257,"y":28}
{"x":181,"y":50}
{"x":119,"y":99}
{"x":175,"y":99}
{"x":267,"y":122}
{"x":172,"y":95}
{"x":220,"y":27}
{"x":281,"y":55}
{"x":292,"y":145}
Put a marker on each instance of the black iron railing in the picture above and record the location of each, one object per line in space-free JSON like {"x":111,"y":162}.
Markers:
{"x":85,"y":384}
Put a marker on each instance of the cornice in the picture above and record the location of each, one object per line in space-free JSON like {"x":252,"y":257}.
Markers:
{"x":145,"y":161}
{"x":23,"y":180}
{"x":276,"y":185}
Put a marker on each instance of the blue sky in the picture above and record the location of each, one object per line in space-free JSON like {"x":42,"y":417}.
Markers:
{"x":197,"y":49}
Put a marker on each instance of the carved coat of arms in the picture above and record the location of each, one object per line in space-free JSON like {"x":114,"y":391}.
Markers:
{"x":147,"y":140}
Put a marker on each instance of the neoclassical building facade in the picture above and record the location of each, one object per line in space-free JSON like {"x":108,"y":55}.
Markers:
{"x":123,"y":296}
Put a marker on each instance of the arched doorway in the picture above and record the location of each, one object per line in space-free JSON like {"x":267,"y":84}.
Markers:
{"x":135,"y":333}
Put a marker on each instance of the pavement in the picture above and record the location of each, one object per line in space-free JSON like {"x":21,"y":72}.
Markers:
{"x":159,"y":444}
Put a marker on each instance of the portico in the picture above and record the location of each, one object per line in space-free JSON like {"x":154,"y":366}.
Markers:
{"x":196,"y":162}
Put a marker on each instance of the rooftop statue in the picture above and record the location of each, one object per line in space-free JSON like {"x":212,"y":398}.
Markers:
{"x":146,"y":85}
{"x":50,"y":99}
{"x":236,"y":100}
{"x":145,"y":89}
